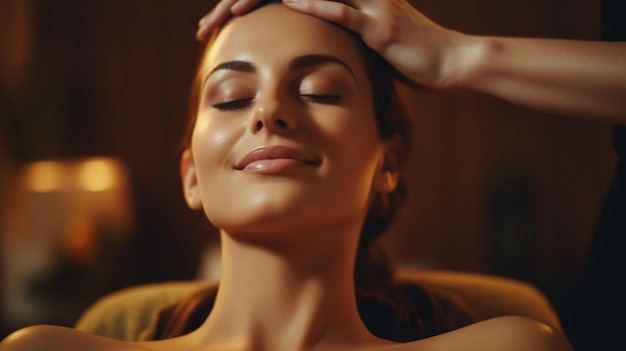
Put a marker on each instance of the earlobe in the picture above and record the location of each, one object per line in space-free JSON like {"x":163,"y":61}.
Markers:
{"x":190,"y":181}
{"x":388,"y":172}
{"x":386,"y":181}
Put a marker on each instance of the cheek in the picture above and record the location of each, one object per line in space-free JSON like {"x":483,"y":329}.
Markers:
{"x":208,"y":136}
{"x":352,"y":131}
{"x":354,"y":151}
{"x":212,"y":142}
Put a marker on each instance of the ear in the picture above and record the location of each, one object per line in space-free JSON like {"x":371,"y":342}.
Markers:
{"x":388,"y":172}
{"x":190,"y":181}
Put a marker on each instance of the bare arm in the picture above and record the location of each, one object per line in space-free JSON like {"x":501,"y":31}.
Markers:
{"x":584,"y":79}
{"x":574,"y":78}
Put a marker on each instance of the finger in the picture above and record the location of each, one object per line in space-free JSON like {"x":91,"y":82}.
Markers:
{"x":213,"y":19}
{"x":340,"y":12}
{"x":243,"y":6}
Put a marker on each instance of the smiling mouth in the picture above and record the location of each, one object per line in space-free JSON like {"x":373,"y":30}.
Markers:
{"x":275,"y":159}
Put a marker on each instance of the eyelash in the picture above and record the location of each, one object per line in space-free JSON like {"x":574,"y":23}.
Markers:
{"x":321,"y":98}
{"x":233,"y":104}
{"x":238,"y":104}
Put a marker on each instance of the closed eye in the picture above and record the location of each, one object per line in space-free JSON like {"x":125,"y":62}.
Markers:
{"x":321,"y":98}
{"x":232,"y":105}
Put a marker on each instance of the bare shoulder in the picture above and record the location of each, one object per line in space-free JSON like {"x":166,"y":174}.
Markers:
{"x":502,"y":333}
{"x":46,"y":337}
{"x":522,"y":333}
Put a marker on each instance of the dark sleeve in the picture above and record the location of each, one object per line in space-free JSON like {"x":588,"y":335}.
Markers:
{"x":183,"y":316}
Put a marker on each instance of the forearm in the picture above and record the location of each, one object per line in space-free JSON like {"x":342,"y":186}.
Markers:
{"x":573,"y":78}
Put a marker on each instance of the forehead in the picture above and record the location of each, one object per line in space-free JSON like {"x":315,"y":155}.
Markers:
{"x":274,"y":33}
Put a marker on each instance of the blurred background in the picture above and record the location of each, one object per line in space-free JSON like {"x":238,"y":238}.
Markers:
{"x":93,"y":102}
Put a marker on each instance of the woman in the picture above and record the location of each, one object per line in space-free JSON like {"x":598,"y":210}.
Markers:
{"x":293,"y":158}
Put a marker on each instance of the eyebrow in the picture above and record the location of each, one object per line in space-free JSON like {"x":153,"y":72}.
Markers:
{"x":312,"y":60}
{"x":299,"y":62}
{"x":236,"y":65}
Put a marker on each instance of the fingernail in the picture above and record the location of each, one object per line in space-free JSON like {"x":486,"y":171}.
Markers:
{"x":200,"y":33}
{"x":292,"y":3}
{"x":236,"y":6}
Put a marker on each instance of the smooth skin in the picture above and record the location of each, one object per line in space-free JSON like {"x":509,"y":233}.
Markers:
{"x":583,"y":79}
{"x":287,"y":283}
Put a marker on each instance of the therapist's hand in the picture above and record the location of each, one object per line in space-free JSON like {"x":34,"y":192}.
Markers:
{"x":220,"y":13}
{"x":422,"y":51}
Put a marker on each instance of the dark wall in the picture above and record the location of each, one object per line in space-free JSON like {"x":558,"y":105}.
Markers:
{"x":112,"y":77}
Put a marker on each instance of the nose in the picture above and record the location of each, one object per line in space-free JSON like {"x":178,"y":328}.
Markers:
{"x":271,"y":115}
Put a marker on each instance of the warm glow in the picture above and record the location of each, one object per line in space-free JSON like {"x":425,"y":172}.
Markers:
{"x":97,"y":175}
{"x":45,"y":176}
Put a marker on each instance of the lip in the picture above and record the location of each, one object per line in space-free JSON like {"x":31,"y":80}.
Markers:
{"x":270,"y":159}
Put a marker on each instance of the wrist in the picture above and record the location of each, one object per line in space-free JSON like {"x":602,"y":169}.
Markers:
{"x":465,"y":60}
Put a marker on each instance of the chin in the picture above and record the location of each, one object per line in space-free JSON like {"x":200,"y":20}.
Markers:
{"x":262,"y":220}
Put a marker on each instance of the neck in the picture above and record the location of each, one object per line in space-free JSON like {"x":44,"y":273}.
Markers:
{"x":298,"y":295}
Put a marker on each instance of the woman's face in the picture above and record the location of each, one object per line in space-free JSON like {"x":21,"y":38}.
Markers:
{"x":285,"y":136}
